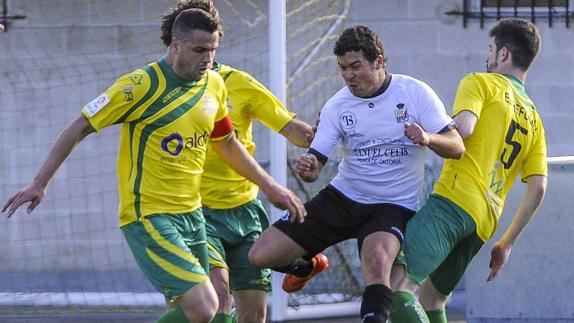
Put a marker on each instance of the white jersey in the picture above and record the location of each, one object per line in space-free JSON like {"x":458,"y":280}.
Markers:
{"x":380,"y":164}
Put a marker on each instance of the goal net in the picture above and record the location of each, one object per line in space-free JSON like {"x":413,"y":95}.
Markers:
{"x":69,"y":253}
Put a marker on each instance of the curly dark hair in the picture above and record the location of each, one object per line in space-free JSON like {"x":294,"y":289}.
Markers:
{"x":520,"y":37}
{"x":169,"y":18}
{"x":360,"y":38}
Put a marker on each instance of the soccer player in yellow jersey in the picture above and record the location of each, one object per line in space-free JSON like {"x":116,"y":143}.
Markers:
{"x":234,"y":216}
{"x":170,"y":110}
{"x":504,"y":138}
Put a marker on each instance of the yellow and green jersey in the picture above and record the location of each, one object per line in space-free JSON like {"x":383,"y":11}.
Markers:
{"x":221,"y":186}
{"x":167,"y":123}
{"x":508,"y":139}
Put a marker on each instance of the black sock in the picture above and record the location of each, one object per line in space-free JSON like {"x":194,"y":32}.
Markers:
{"x":376,"y":304}
{"x":299,"y":267}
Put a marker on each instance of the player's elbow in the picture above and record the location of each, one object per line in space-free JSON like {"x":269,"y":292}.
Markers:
{"x":455,"y":151}
{"x":458,"y":151}
{"x":537,"y":186}
{"x":458,"y":148}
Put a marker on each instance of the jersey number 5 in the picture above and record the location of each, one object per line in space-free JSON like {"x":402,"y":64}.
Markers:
{"x":516,"y":146}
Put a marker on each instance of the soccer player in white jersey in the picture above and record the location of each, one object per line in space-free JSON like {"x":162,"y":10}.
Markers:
{"x":384,"y":122}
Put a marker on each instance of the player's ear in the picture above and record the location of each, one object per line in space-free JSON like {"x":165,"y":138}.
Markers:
{"x":174,"y":45}
{"x":379,"y":62}
{"x":504,"y":54}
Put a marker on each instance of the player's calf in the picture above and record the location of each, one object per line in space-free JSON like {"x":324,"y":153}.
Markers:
{"x":376,"y":304}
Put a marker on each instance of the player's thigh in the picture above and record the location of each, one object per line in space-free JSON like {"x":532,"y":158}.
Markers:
{"x":389,"y":218}
{"x":448,"y":274}
{"x":431,"y":235}
{"x":163,"y":255}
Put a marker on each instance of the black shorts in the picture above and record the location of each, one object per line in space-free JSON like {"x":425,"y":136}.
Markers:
{"x":332,"y":217}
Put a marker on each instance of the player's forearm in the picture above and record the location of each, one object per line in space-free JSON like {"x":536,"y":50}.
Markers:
{"x":68,"y":139}
{"x":527,"y":209}
{"x":237,"y":157}
{"x":298,"y":133}
{"x":447,"y":145}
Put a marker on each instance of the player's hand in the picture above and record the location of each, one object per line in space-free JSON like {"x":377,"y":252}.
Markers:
{"x":1,"y":28}
{"x":307,"y":166}
{"x":284,"y":199}
{"x":416,"y":134}
{"x":498,"y":258}
{"x":31,"y":193}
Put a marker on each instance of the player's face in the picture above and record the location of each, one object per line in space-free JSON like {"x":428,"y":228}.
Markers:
{"x":492,"y":59}
{"x":361,"y":76}
{"x":195,"y":55}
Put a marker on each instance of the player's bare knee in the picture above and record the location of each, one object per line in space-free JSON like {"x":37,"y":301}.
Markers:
{"x":207,"y":310}
{"x":203,"y":315}
{"x":379,"y":266}
{"x":257,"y":256}
{"x":200,"y":303}
{"x":225,"y":298}
{"x":203,"y":312}
{"x":220,"y":282}
{"x":257,"y":315}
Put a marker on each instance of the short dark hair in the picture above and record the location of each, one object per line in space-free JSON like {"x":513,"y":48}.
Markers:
{"x":520,"y":37}
{"x":360,"y":38}
{"x":168,"y":19}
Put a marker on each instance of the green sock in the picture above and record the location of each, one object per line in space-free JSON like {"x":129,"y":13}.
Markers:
{"x":406,"y":309}
{"x":222,"y":318}
{"x":174,"y":315}
{"x":437,"y":316}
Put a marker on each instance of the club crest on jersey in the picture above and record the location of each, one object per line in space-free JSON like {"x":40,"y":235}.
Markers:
{"x":128,"y":93}
{"x":348,"y":120}
{"x":401,"y":113}
{"x":209,"y":105}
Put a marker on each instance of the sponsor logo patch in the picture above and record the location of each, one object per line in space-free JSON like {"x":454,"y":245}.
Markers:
{"x":348,"y":120}
{"x":97,"y":104}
